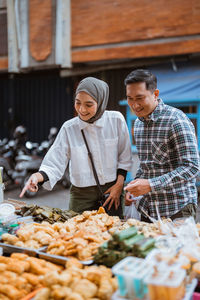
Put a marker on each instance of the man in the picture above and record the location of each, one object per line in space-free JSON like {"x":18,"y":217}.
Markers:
{"x":167,"y":149}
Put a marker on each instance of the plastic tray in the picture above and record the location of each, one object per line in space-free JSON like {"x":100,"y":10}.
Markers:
{"x":130,"y":273}
{"x":57,"y":259}
{"x":188,"y":296}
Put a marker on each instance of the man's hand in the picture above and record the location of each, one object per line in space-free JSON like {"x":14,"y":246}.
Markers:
{"x":128,"y":199}
{"x":32,"y":183}
{"x":138,"y":187}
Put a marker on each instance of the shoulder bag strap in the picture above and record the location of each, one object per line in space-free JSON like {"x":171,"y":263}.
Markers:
{"x":92,"y":162}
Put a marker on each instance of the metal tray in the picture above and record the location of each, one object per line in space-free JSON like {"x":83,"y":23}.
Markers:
{"x":8,"y":249}
{"x":57,"y":259}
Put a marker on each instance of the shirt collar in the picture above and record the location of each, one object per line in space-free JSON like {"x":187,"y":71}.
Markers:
{"x":97,"y":123}
{"x":156,"y":113}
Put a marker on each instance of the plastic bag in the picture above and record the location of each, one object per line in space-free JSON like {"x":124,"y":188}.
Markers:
{"x":131,"y":212}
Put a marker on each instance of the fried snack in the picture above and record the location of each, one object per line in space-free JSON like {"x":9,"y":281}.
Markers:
{"x":2,"y":267}
{"x":3,"y":297}
{"x":9,"y":238}
{"x":80,"y":236}
{"x":85,"y":288}
{"x":73,"y":263}
{"x":21,"y":284}
{"x":43,"y":238}
{"x":10,"y":291}
{"x":105,"y":289}
{"x":18,"y":266}
{"x":20,"y":256}
{"x":74,"y":296}
{"x":65,"y":278}
{"x":4,"y":279}
{"x":20,"y":244}
{"x":19,"y":275}
{"x":4,"y":259}
{"x":60,"y":292}
{"x":94,"y":275}
{"x":80,"y":283}
{"x":15,"y":267}
{"x":25,"y":233}
{"x":85,"y":254}
{"x":32,"y":244}
{"x":101,"y":210}
{"x":31,"y":278}
{"x":51,"y":278}
{"x":43,"y":294}
{"x":37,"y":268}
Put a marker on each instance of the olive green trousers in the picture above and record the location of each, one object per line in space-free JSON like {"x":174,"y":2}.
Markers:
{"x":87,"y":198}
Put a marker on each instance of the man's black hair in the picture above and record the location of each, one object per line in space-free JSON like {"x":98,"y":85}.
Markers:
{"x":141,"y":75}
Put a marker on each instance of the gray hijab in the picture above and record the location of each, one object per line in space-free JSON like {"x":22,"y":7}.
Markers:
{"x":99,"y":91}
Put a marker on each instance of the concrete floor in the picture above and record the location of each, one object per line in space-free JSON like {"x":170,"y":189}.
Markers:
{"x":59,"y":197}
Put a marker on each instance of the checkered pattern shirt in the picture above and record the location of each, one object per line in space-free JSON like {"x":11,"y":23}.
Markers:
{"x":169,"y":159}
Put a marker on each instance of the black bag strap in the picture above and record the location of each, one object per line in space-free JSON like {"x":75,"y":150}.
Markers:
{"x":92,"y":162}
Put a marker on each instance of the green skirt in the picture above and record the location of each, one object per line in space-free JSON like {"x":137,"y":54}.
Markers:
{"x":86,"y":198}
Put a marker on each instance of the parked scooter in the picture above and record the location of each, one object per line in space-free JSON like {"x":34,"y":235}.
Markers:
{"x":17,"y":161}
{"x":10,"y":153}
{"x":29,"y":164}
{"x":20,"y":158}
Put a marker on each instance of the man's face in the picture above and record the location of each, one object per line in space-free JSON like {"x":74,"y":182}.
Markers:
{"x":141,"y":101}
{"x":85,"y":106}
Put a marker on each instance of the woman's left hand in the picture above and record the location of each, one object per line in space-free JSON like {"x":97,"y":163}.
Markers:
{"x":114,"y":197}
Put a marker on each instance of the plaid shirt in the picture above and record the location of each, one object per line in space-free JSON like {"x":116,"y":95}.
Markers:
{"x":169,"y":158}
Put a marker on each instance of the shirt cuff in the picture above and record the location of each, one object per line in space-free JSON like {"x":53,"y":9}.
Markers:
{"x":156,"y":184}
{"x":122,"y":172}
{"x":45,"y":177}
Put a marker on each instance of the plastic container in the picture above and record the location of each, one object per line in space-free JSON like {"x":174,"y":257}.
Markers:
{"x":189,"y":295}
{"x":6,"y":213}
{"x":168,"y":260}
{"x":166,"y":285}
{"x":1,"y":185}
{"x":6,"y":209}
{"x":25,"y":220}
{"x":130,"y":273}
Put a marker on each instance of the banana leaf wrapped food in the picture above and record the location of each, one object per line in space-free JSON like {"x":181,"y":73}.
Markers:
{"x":125,"y":234}
{"x":46,"y":213}
{"x":125,"y":243}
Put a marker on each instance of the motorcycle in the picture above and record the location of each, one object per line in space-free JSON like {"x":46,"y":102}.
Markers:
{"x":20,"y":158}
{"x":28,"y":164}
{"x":10,"y":154}
{"x":17,"y":161}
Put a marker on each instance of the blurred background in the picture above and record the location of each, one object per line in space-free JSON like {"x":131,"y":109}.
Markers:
{"x":48,"y":46}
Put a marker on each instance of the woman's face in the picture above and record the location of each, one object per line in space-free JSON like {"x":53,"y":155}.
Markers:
{"x":85,"y":106}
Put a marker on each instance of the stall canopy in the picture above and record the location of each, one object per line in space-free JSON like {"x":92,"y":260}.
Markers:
{"x":179,"y":81}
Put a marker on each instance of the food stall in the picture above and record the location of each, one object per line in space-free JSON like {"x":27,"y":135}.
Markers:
{"x":53,"y":254}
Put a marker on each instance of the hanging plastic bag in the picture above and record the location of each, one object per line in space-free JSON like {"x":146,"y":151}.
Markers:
{"x":131,"y":211}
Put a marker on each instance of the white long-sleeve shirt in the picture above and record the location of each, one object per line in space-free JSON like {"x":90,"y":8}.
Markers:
{"x":109,"y":143}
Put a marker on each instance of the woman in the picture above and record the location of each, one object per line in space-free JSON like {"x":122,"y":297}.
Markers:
{"x":107,"y":136}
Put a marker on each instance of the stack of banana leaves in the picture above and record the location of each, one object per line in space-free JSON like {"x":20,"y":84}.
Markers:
{"x":125,"y":243}
{"x":46,"y":213}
